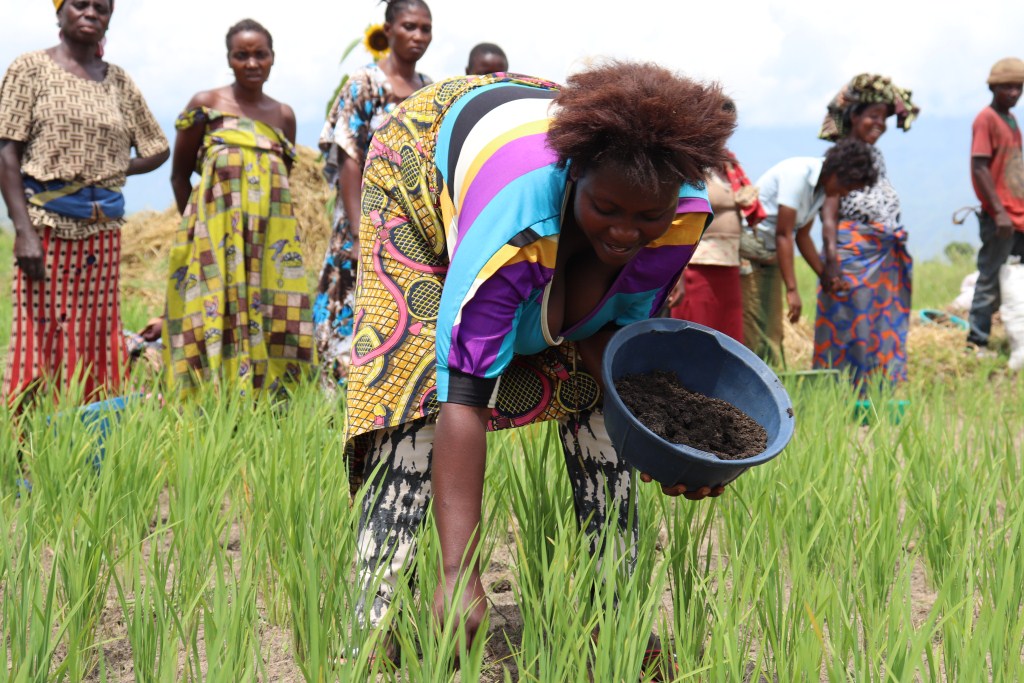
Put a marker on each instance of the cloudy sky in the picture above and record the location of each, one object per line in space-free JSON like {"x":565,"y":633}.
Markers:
{"x":781,"y":60}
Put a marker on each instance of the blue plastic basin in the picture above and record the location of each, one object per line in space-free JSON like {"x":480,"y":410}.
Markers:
{"x":707,"y":362}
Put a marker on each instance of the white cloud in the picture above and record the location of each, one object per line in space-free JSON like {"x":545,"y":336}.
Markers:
{"x":782,"y":61}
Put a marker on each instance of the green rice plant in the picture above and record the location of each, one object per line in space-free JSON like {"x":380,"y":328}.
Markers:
{"x":309,"y":539}
{"x":231,"y":622}
{"x":628,"y":585}
{"x":153,"y":629}
{"x":689,"y":557}
{"x":31,"y":606}
{"x":442,"y":647}
{"x":553,"y":568}
{"x":204,"y":465}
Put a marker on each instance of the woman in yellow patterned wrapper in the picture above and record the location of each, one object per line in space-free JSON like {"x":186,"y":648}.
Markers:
{"x":238,"y":305}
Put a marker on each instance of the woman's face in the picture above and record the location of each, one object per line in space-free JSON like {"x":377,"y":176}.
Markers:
{"x":251,"y":58}
{"x":869,"y":125}
{"x":618,"y":218}
{"x":85,"y":21}
{"x":409,"y":35}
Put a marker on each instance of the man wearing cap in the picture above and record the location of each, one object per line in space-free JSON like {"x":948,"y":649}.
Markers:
{"x":997,"y":171}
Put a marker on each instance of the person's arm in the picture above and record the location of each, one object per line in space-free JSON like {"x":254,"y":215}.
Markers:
{"x":288,"y":115}
{"x":186,"y":149}
{"x":675,"y":295}
{"x":147,"y":137}
{"x":28,"y":248}
{"x":140,"y":165}
{"x":831,"y":276}
{"x":807,"y":249}
{"x":784,"y":226}
{"x":350,"y":178}
{"x":986,"y":183}
{"x":359,"y":100}
{"x":457,"y":479}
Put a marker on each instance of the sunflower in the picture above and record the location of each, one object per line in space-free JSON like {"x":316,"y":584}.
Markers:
{"x":376,"y":42}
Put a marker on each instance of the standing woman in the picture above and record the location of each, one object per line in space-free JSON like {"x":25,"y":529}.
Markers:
{"x":370,"y":94}
{"x":864,"y":296}
{"x":709,"y":291}
{"x":68,"y":123}
{"x":238,"y":305}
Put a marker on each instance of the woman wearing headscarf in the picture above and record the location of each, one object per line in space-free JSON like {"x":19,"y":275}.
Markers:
{"x":367,"y":97}
{"x":864,"y":295}
{"x":68,"y":124}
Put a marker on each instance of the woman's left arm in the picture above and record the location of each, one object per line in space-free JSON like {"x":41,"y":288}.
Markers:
{"x":147,"y":138}
{"x":831,"y":274}
{"x":288,"y":116}
{"x":140,"y":165}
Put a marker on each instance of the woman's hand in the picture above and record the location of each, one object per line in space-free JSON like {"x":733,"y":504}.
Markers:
{"x":28,"y":252}
{"x":677,"y":292}
{"x":682,"y":490}
{"x":795,"y":305}
{"x":832,"y":279}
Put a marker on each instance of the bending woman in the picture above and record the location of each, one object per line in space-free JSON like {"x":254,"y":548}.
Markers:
{"x":864,"y":296}
{"x":509,"y":227}
{"x":68,"y":124}
{"x":370,"y":94}
{"x":238,"y":305}
{"x":792,"y":193}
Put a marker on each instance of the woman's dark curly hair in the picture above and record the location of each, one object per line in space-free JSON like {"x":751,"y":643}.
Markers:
{"x":655,"y":125}
{"x":396,"y":7}
{"x":249,"y":25}
{"x":852,"y":162}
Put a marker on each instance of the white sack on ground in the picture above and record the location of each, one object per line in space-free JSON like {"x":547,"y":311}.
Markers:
{"x":1011,"y":290}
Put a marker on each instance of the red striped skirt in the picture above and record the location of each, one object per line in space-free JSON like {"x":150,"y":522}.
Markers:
{"x":713,"y":297}
{"x":67,"y":327}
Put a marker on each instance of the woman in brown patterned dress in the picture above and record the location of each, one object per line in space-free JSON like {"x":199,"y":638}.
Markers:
{"x":68,"y":123}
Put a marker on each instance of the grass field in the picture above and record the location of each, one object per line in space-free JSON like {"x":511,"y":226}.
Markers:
{"x":215,"y":543}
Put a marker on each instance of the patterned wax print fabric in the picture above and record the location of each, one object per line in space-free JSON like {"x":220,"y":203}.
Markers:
{"x":863,"y":330}
{"x":75,"y":130}
{"x":462,"y":210}
{"x":238,"y":305}
{"x":67,"y":327}
{"x":867,"y":89}
{"x":361,"y":106}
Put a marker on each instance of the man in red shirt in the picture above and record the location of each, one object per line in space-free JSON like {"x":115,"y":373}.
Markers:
{"x":997,"y":170}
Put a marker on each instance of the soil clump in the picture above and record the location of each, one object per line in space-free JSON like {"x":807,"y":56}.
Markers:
{"x":681,"y":416}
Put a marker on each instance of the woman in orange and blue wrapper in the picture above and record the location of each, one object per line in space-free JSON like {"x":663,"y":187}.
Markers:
{"x":864,"y":297}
